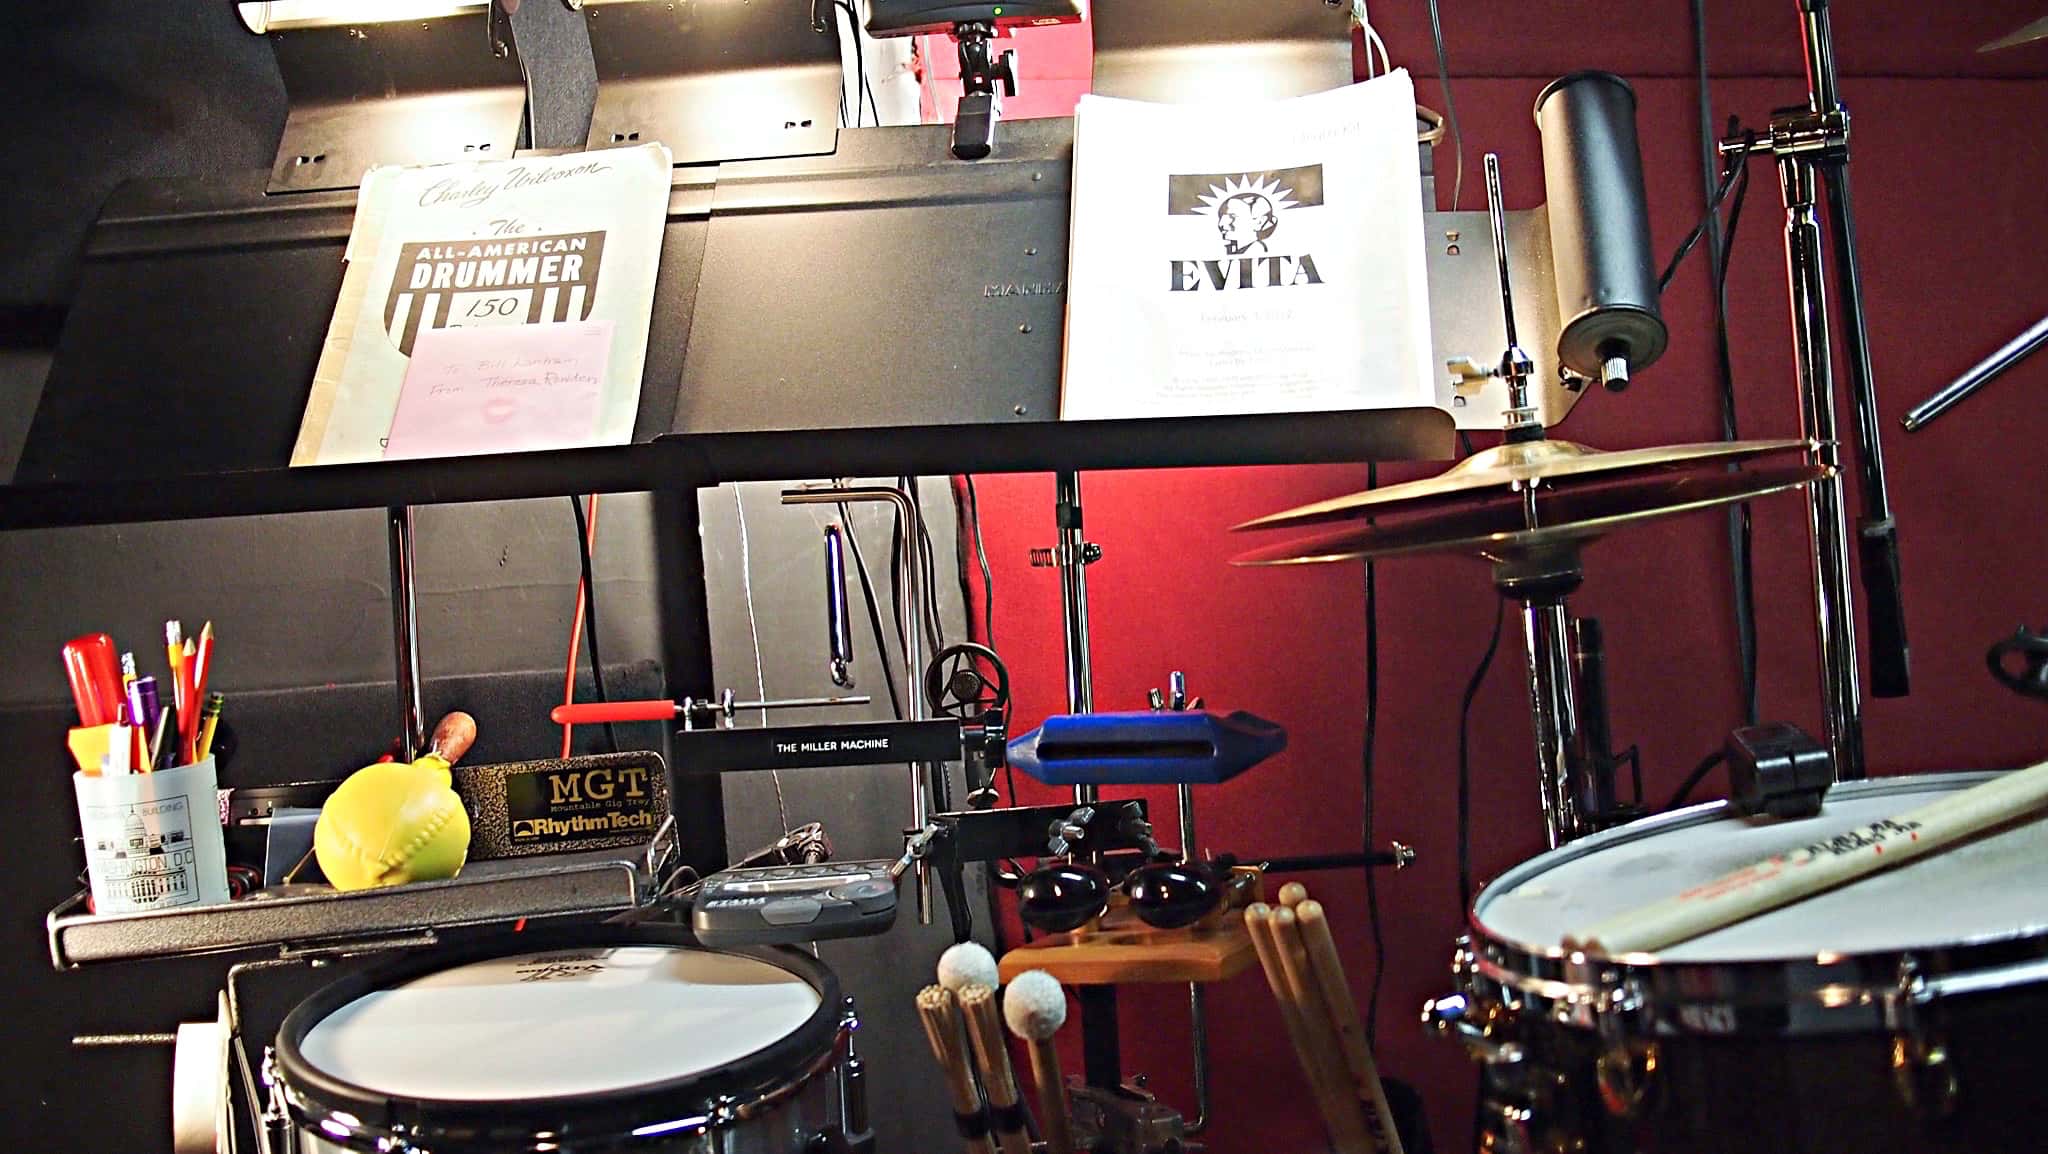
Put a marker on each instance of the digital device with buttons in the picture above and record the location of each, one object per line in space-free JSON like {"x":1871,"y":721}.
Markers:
{"x":782,"y":905}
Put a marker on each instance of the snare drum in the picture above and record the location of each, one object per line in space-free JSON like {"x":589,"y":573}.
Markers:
{"x":1900,"y":1013}
{"x":611,"y":1039}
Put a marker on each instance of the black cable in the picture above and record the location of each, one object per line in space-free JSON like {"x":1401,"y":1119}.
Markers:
{"x":1465,"y":761}
{"x":1741,"y":532}
{"x":1741,"y":529}
{"x":988,"y":581}
{"x":1707,"y":219}
{"x":867,"y":592}
{"x":962,"y":562}
{"x":860,"y":64}
{"x":1443,"y":76}
{"x":1699,"y":774}
{"x":927,"y":568}
{"x":1372,"y":718}
{"x":590,"y":614}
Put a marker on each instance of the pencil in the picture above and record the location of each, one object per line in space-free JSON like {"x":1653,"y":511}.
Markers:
{"x":209,"y":719}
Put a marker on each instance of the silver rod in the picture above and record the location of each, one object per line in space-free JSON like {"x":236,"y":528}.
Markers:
{"x":99,"y":1040}
{"x":1827,"y":521}
{"x":405,"y":630}
{"x":1198,"y":1023}
{"x":909,"y":619}
{"x":799,"y":703}
{"x":1546,"y":634}
{"x":2011,"y":353}
{"x":1516,"y":366}
{"x":1198,"y":1016}
{"x":1496,"y":213}
{"x":1074,"y":604}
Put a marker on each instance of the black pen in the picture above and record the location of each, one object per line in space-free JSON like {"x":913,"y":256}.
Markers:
{"x":161,"y":755}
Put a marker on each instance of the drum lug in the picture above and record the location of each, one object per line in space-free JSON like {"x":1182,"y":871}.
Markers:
{"x":853,"y":1088}
{"x":1450,"y":1017}
{"x":274,"y":1126}
{"x":1627,"y":1063}
{"x":1464,"y":965}
{"x":1921,"y":1071}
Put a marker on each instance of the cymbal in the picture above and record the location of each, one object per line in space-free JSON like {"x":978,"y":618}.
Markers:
{"x":1496,"y":528}
{"x":2038,"y":30}
{"x":1508,"y":467}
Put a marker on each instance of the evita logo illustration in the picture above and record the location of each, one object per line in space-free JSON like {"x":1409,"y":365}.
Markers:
{"x":1251,"y":212}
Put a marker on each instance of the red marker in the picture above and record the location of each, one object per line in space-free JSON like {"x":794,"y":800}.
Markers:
{"x":94,"y":670}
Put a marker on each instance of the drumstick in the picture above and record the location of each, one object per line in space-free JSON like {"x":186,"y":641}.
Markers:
{"x":1035,"y":1007}
{"x":1329,"y":975}
{"x":1788,"y":877}
{"x":1316,"y":1022}
{"x":992,"y":1054}
{"x":1339,"y":1110}
{"x":1293,"y":894}
{"x":941,"y":1017}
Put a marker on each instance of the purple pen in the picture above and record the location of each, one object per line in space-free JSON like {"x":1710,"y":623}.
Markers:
{"x":143,"y":703}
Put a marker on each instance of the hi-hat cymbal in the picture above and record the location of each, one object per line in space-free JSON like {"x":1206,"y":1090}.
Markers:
{"x":1511,"y":466}
{"x":2038,"y":30}
{"x":1497,"y":527}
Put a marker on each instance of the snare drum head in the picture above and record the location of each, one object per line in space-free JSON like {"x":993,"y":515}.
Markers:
{"x":1988,"y":889}
{"x":560,"y":1023}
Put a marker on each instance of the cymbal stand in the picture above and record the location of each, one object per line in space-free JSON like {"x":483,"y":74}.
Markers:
{"x":1575,"y":789}
{"x":1811,"y":148}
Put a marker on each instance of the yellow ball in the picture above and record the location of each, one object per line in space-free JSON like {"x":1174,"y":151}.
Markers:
{"x":390,"y":824}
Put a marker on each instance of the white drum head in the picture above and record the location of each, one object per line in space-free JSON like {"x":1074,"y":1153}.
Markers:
{"x":559,"y":1023}
{"x":1991,"y":888}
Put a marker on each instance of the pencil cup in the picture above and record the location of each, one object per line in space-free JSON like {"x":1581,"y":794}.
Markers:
{"x":152,"y":840}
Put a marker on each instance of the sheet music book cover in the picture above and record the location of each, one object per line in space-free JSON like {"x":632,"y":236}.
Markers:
{"x":1248,"y":257}
{"x":529,"y":241}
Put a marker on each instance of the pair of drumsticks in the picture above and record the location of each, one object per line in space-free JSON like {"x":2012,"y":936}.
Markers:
{"x":1300,"y":959}
{"x":1034,"y":1005}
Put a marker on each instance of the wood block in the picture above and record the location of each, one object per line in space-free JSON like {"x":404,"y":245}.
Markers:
{"x":1124,"y":949}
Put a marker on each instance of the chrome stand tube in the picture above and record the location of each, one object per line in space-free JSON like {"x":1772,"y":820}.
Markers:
{"x":1070,"y":558}
{"x":405,"y":630}
{"x":910,"y":621}
{"x":1198,"y":1014}
{"x":1553,"y":710}
{"x":1827,"y":523}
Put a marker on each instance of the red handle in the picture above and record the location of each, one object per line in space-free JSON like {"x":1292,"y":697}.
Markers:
{"x":595,"y":712}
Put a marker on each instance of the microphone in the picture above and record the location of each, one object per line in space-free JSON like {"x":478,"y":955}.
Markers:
{"x":838,"y":624}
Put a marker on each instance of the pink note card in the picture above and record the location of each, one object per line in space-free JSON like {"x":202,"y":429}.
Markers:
{"x":500,"y":389}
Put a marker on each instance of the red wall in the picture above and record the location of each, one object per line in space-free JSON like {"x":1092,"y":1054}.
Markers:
{"x":1950,"y":175}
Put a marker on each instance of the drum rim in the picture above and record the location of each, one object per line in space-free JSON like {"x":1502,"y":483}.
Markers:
{"x":315,"y":1096}
{"x":1645,"y":828}
{"x":1856,"y":991}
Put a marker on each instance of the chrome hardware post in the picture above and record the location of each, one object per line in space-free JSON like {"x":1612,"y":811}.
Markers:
{"x":405,"y":630}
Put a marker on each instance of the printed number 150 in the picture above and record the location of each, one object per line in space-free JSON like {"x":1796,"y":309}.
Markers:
{"x":492,"y":307}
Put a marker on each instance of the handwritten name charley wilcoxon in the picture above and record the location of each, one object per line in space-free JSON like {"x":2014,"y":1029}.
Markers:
{"x":473,"y":191}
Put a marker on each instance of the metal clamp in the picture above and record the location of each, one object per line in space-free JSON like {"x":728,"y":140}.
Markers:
{"x":697,"y":711}
{"x":1067,"y":832}
{"x":1086,"y":553}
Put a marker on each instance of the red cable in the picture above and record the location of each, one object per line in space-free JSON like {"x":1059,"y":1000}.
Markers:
{"x":576,"y":626}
